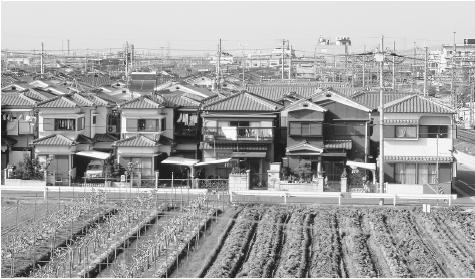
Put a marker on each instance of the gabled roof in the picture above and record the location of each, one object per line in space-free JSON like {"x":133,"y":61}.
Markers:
{"x":81,"y":100}
{"x":302,"y":105}
{"x":54,"y":139}
{"x":105,"y":138}
{"x":371,"y":98}
{"x":416,"y":104}
{"x":328,"y":95}
{"x":58,"y":102}
{"x":243,"y":101}
{"x":136,"y":141}
{"x":83,"y":139}
{"x":38,"y":96}
{"x":180,"y":100}
{"x":303,"y":146}
{"x":16,"y":100}
{"x":142,"y":102}
{"x":277,"y":92}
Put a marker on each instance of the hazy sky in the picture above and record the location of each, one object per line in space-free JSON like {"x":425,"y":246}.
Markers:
{"x":199,"y":25}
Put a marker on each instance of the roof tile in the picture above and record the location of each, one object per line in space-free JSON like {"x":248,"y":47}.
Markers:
{"x":54,"y":139}
{"x":416,"y":104}
{"x":243,"y":101}
{"x":136,"y":141}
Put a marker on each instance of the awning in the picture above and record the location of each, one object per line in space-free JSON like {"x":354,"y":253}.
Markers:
{"x":94,"y":154}
{"x":181,"y":161}
{"x":367,"y":166}
{"x":430,"y":159}
{"x":219,"y":161}
{"x":248,"y":155}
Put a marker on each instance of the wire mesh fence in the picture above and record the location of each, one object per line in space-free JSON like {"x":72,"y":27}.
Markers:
{"x":83,"y":233}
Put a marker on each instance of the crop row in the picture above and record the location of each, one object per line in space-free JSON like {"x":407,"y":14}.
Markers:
{"x":326,"y":246}
{"x":233,"y":251}
{"x":87,"y":251}
{"x":263,"y":255}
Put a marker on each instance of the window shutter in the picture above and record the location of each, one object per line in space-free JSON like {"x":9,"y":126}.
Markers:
{"x":295,"y":129}
{"x":48,"y":124}
{"x":315,"y":129}
{"x":131,"y":124}
{"x":305,"y":129}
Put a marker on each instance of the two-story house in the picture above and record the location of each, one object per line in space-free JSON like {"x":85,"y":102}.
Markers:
{"x":418,"y":143}
{"x":241,"y":127}
{"x":18,"y":127}
{"x":322,"y":133}
{"x":66,"y":126}
{"x":146,"y":133}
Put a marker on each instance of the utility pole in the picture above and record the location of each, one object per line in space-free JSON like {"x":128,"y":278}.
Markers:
{"x":471,"y":96}
{"x":127,"y":62}
{"x":68,"y":47}
{"x":394,"y":66}
{"x":289,"y":47}
{"x":452,"y":88}
{"x":364,"y":63}
{"x":218,"y":66}
{"x":380,"y":59}
{"x":85,"y":62}
{"x":413,"y":69}
{"x":132,"y":57}
{"x":283,"y":60}
{"x":425,"y":72}
{"x":42,"y":71}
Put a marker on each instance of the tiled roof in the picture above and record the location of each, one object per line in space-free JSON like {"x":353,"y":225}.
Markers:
{"x":84,"y":139}
{"x":243,"y":101}
{"x":338,"y":144}
{"x":81,"y":100}
{"x":105,"y":138}
{"x":303,"y":146}
{"x":135,"y":141}
{"x":142,"y":85}
{"x":371,"y":99}
{"x":278,"y":92}
{"x":54,"y":140}
{"x":38,"y":96}
{"x":416,"y":104}
{"x":179,"y":100}
{"x":16,"y":100}
{"x":142,"y":102}
{"x":58,"y":102}
{"x":419,"y":158}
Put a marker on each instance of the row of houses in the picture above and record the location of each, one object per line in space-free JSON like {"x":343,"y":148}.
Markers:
{"x":311,"y":130}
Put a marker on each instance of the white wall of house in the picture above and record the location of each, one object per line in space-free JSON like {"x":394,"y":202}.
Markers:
{"x":419,"y":146}
{"x":66,"y":113}
{"x":158,"y":114}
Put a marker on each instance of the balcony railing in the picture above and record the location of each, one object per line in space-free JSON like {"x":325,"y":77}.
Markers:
{"x":186,"y":131}
{"x":239,"y":133}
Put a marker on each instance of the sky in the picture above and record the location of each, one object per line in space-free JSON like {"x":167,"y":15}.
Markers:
{"x":196,"y":27}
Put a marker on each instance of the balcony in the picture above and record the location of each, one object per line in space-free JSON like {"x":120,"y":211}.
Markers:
{"x":238,"y":133}
{"x":184,"y":131}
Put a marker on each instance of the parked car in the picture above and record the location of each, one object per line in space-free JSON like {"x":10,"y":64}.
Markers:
{"x":95,"y":169}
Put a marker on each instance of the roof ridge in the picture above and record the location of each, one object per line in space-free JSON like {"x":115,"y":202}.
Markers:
{"x":223,"y":99}
{"x":262,"y":100}
{"x":22,"y":95}
{"x":400,"y":100}
{"x":438,"y":104}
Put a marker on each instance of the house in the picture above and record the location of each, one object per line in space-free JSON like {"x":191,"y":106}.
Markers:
{"x":323,"y":133}
{"x":67,"y":125}
{"x":418,"y":145}
{"x":146,"y":133}
{"x":142,"y":81}
{"x":18,"y":127}
{"x":239,"y":127}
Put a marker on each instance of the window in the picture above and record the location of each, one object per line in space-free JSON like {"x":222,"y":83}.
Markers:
{"x":239,"y":123}
{"x":64,"y":124}
{"x":147,"y":125}
{"x":420,"y":173}
{"x":431,"y":131}
{"x":305,"y":129}
{"x":81,"y":123}
{"x":400,"y":131}
{"x":94,"y":119}
{"x":163,"y":124}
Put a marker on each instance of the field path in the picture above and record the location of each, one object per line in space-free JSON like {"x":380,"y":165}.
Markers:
{"x":192,"y":264}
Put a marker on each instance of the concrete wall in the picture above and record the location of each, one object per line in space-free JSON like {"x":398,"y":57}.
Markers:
{"x":404,"y":189}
